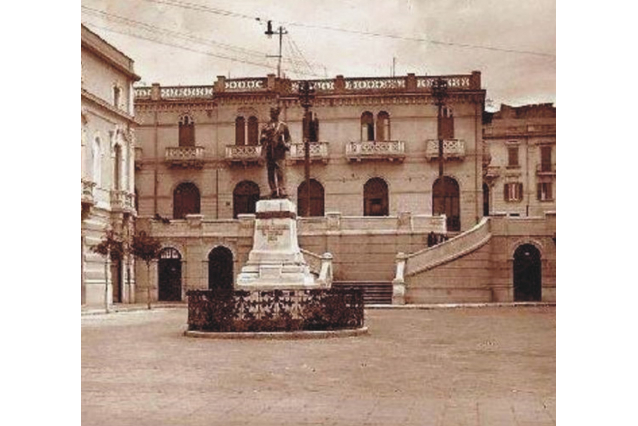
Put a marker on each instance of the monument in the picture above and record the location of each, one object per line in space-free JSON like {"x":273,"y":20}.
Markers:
{"x":275,"y":261}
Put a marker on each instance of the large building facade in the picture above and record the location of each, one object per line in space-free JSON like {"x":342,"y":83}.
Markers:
{"x":107,"y":183}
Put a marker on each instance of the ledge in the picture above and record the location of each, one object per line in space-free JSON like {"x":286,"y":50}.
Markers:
{"x":279,"y":335}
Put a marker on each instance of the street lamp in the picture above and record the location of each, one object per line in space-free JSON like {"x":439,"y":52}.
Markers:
{"x":306,"y":96}
{"x":439,"y":92}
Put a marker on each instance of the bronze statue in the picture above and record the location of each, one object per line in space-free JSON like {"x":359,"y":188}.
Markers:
{"x":275,"y":141}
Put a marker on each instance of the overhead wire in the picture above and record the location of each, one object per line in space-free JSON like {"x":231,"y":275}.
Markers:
{"x":164,"y":31}
{"x":228,"y":13}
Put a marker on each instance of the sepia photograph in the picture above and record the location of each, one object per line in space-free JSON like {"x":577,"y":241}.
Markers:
{"x":318,"y":213}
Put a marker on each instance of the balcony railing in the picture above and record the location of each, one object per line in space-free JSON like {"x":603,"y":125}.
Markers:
{"x":122,"y":201}
{"x":375,"y":150}
{"x":318,"y":151}
{"x":244,"y":154}
{"x":452,"y":149}
{"x":185,"y":156}
{"x":87,"y":192}
{"x":546,"y":169}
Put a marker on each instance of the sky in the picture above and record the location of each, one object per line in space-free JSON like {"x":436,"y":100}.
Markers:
{"x":191,"y":42}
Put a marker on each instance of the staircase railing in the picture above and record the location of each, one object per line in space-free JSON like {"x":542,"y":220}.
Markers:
{"x":320,"y":265}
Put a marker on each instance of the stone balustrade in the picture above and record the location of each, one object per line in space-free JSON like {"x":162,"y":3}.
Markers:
{"x":340,"y":84}
{"x":375,"y":150}
{"x":87,"y":192}
{"x":318,"y":151}
{"x":244,"y":154}
{"x":185,"y":156}
{"x":452,"y":149}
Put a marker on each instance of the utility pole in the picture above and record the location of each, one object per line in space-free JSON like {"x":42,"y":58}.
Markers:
{"x":306,"y":96}
{"x":281,"y":31}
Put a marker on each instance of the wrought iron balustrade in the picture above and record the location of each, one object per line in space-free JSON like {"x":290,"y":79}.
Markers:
{"x":277,"y":310}
{"x":546,"y":169}
{"x":243,"y":153}
{"x":185,"y":156}
{"x":375,"y":150}
{"x":317,"y":151}
{"x":452,"y":149}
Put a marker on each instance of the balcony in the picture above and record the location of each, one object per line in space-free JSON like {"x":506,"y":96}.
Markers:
{"x":545,"y":169}
{"x":185,"y":156}
{"x":453,"y":149}
{"x":122,"y":201}
{"x":244,"y":154}
{"x":375,"y":150}
{"x":318,"y":152}
{"x":87,"y":193}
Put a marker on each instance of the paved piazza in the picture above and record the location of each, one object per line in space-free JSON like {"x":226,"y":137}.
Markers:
{"x":463,"y":366}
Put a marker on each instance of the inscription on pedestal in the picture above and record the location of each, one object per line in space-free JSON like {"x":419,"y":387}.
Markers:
{"x":271,"y":232}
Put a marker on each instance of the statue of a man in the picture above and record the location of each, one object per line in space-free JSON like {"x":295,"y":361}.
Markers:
{"x":275,"y":141}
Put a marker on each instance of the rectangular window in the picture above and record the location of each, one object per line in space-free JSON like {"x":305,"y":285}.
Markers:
{"x":512,"y":156}
{"x":513,"y":191}
{"x":546,"y":158}
{"x":544,"y":191}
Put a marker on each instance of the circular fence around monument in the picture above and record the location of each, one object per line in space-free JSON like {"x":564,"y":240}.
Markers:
{"x":227,"y":311}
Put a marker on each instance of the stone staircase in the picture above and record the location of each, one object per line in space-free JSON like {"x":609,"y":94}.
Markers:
{"x":374,"y":292}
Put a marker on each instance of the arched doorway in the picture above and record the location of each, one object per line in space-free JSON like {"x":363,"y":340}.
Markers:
{"x":220,"y":268}
{"x":245,"y":197}
{"x":185,"y":200}
{"x":316,"y":199}
{"x":375,"y":198}
{"x":446,"y":200}
{"x":169,"y":275}
{"x":486,"y":200}
{"x":527,"y":273}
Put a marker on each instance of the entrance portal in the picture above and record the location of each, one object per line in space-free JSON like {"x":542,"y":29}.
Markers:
{"x":527,"y":274}
{"x":220,"y":268}
{"x":170,"y":275}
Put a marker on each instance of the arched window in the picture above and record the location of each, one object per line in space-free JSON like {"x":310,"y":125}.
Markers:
{"x":375,"y":198}
{"x":367,"y":126}
{"x":245,"y":197}
{"x":253,"y":130}
{"x":527,"y":273}
{"x":96,"y":161}
{"x":383,"y":126}
{"x":185,"y":200}
{"x":316,"y":199}
{"x":186,"y":131}
{"x":117,"y":95}
{"x":446,"y":200}
{"x":240,"y":131}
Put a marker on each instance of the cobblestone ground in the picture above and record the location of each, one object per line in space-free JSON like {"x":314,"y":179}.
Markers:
{"x":464,"y":366}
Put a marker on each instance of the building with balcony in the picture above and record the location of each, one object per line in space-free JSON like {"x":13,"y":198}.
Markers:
{"x":108,"y":161}
{"x":375,"y":192}
{"x":520,"y":179}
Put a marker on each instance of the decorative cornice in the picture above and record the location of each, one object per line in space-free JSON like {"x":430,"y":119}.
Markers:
{"x":88,"y":96}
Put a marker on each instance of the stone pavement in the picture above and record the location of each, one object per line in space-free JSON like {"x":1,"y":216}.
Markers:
{"x":463,"y":366}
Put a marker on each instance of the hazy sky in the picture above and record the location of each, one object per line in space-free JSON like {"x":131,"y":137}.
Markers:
{"x":512,"y":43}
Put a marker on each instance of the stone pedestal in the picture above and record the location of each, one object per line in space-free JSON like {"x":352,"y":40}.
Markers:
{"x":275,"y":261}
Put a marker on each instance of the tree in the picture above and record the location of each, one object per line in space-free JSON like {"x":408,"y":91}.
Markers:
{"x":110,"y":247}
{"x":146,"y":248}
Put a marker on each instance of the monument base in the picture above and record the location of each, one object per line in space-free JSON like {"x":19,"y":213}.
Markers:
{"x":275,"y":261}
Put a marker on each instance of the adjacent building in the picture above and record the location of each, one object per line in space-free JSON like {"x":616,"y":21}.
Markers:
{"x":107,"y":183}
{"x":520,"y":179}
